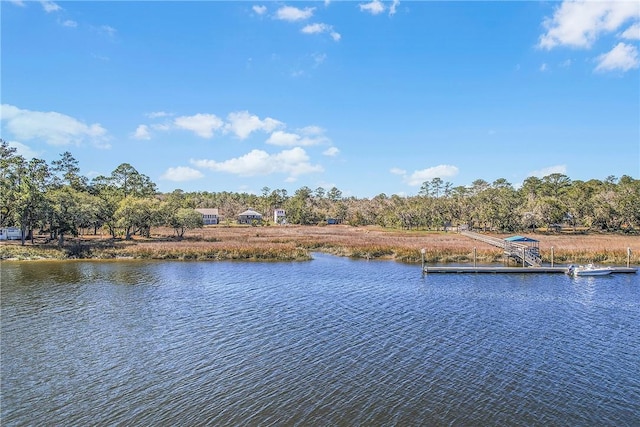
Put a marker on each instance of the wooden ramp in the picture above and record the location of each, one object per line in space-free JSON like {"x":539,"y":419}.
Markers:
{"x":522,"y":253}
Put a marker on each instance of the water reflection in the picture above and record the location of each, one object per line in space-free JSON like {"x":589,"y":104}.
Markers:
{"x":330,"y":342}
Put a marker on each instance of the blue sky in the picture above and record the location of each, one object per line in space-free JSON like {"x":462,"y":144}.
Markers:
{"x":369,"y":97}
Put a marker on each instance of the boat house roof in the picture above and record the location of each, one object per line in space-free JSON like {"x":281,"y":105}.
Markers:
{"x":520,"y":239}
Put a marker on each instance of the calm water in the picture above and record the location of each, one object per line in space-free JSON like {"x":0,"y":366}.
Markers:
{"x":327,"y":342}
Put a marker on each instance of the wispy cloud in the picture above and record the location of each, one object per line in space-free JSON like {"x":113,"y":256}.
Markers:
{"x":306,"y":137}
{"x":142,"y":132}
{"x":181,"y":174}
{"x":50,"y":6}
{"x":69,"y":23}
{"x":420,"y":176}
{"x":374,"y":7}
{"x":108,"y":31}
{"x":293,"y":162}
{"x":632,"y":33}
{"x":293,"y":14}
{"x":393,"y":8}
{"x":623,"y":57}
{"x":331,"y":152}
{"x":541,"y":173}
{"x":52,"y":127}
{"x":259,"y":9}
{"x":157,"y":114}
{"x":580,"y":23}
{"x":23,"y":150}
{"x":242,"y":124}
{"x":203,"y":125}
{"x":319,"y":28}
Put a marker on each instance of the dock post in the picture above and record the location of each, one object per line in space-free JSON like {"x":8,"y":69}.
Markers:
{"x":551,"y":256}
{"x":423,"y":251}
{"x":474,"y":257}
{"x":628,"y":257}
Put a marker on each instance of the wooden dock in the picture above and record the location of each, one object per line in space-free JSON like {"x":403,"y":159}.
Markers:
{"x":522,"y":253}
{"x":513,"y":270}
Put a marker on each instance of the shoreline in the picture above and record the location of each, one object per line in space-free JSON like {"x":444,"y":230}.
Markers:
{"x":296,"y":243}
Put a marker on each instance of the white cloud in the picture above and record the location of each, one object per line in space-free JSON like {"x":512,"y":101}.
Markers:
{"x":161,"y":126}
{"x":440,"y":171}
{"x":375,"y":7}
{"x":54,"y":128}
{"x":632,"y":33}
{"x":541,"y":173}
{"x":318,"y":58}
{"x":202,"y":125}
{"x":69,"y":23}
{"x":108,"y":30}
{"x":243,"y":124}
{"x":310,"y":135}
{"x":290,"y":13}
{"x":622,"y":57}
{"x":157,"y":114}
{"x":398,"y":171}
{"x":292,"y":162}
{"x":50,"y":6}
{"x":260,"y":9}
{"x":312,"y":130}
{"x":394,"y":7}
{"x":100,"y":57}
{"x":20,"y":3}
{"x":23,"y":150}
{"x":579,"y":23}
{"x":142,"y":132}
{"x":319,"y":28}
{"x":544,"y":67}
{"x":182,"y":173}
{"x":331,"y":152}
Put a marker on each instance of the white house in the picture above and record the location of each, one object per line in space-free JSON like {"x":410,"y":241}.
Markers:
{"x":249,"y":216}
{"x":209,"y":215}
{"x":10,"y":233}
{"x":279,"y":216}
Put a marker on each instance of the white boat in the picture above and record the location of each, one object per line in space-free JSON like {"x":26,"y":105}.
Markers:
{"x":588,"y":270}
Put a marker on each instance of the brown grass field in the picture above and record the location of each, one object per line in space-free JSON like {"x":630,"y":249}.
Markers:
{"x":283,"y":243}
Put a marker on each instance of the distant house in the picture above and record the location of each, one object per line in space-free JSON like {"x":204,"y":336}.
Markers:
{"x":209,"y":216}
{"x":10,"y":233}
{"x":249,"y":216}
{"x":279,"y":216}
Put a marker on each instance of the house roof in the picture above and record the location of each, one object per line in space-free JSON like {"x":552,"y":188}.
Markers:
{"x":520,"y":239}
{"x":207,"y":211}
{"x":250,"y":212}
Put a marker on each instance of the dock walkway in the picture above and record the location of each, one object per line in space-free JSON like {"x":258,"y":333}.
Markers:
{"x":522,"y":253}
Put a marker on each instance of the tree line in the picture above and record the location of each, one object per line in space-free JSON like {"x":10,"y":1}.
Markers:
{"x":57,"y":199}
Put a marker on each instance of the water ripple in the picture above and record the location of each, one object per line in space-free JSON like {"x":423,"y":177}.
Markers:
{"x":328,"y":342}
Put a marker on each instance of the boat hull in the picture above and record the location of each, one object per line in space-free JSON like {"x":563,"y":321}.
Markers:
{"x":592,"y":273}
{"x":589,"y":270}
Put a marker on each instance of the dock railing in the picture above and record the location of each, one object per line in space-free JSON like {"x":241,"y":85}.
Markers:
{"x":523,"y":253}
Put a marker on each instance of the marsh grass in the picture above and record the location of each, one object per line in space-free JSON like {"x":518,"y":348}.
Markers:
{"x":288,"y":243}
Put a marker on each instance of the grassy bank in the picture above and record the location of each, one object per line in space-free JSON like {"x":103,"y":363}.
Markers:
{"x":294,"y":243}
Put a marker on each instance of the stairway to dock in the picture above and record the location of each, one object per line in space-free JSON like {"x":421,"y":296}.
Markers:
{"x":525,"y":254}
